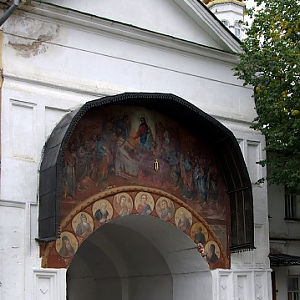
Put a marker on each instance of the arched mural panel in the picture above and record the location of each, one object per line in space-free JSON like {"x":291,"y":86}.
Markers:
{"x":83,"y":220}
{"x":120,"y":145}
{"x":115,"y":146}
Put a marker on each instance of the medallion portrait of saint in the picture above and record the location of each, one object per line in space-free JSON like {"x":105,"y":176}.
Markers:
{"x":66,"y":245}
{"x":102,"y":211}
{"x":183,"y":219}
{"x":83,"y":224}
{"x":144,"y":203}
{"x":199,"y":234}
{"x":123,"y":204}
{"x":165,"y":208}
{"x":212,"y":252}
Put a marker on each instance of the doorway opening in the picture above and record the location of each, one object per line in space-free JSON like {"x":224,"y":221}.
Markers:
{"x":138,"y":257}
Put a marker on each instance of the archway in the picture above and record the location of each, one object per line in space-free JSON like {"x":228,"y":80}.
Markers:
{"x":184,"y":139}
{"x":138,"y":257}
{"x":112,"y":153}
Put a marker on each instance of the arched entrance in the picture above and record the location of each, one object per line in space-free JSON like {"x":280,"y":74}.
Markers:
{"x":138,"y":257}
{"x":127,"y":185}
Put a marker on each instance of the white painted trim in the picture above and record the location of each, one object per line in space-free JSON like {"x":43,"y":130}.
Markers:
{"x":15,"y":204}
{"x":49,"y":283}
{"x":107,"y":90}
{"x":88,"y":91}
{"x":206,"y":20}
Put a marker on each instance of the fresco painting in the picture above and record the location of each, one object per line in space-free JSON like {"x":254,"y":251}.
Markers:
{"x":212,"y":252}
{"x":144,"y":203}
{"x":83,"y":224}
{"x":66,"y":245}
{"x":118,"y":145}
{"x":141,"y":156}
{"x":199,"y":234}
{"x":165,"y":208}
{"x":123,"y":204}
{"x":183,"y":219}
{"x":102,"y":211}
{"x":84,"y":219}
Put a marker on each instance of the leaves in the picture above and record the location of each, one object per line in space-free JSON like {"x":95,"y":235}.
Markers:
{"x":270,"y":62}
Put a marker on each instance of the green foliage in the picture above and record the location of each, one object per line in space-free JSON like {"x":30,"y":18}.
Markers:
{"x":271,"y":63}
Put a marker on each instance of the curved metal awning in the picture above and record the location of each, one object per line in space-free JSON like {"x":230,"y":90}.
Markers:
{"x":225,"y":145}
{"x":284,"y":260}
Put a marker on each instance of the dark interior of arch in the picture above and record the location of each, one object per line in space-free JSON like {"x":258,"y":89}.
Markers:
{"x":222,"y":140}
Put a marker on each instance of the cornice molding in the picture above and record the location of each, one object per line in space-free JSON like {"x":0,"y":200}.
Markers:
{"x":97,"y":24}
{"x":104,"y":91}
{"x":209,"y":22}
{"x":14,"y":204}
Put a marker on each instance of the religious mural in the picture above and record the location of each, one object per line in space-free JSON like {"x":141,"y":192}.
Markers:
{"x":123,"y":160}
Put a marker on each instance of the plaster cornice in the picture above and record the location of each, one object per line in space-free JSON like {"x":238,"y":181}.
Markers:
{"x":90,"y":92}
{"x":97,"y":24}
{"x":14,"y":204}
{"x":208,"y":22}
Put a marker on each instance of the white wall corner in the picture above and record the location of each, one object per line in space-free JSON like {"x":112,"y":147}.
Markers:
{"x":263,"y":285}
{"x":222,"y":285}
{"x":49,"y":284}
{"x":243,"y":286}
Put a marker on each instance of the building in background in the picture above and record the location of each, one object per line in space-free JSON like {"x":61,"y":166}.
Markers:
{"x":284,"y":220}
{"x":128,"y":165}
{"x":230,"y":13}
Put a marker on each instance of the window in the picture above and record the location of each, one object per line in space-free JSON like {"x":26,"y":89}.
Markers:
{"x":237,"y":29}
{"x":293,"y":288}
{"x":226,"y":23}
{"x":291,"y":205}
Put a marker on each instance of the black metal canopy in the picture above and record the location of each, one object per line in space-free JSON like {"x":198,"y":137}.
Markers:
{"x":283,"y":260}
{"x":222,"y":140}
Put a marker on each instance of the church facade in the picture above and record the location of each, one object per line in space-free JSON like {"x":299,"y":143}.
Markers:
{"x":128,"y":165}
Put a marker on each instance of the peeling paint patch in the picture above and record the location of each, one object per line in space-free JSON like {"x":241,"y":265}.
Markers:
{"x":28,"y":37}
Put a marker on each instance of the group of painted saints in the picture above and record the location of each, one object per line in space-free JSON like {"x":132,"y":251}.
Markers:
{"x":114,"y":151}
{"x":144,"y":204}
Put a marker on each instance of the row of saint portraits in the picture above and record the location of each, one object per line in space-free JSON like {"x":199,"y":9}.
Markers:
{"x":84,"y":224}
{"x":124,"y":143}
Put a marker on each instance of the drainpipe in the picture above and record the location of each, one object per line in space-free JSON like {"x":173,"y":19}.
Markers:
{"x":9,"y":12}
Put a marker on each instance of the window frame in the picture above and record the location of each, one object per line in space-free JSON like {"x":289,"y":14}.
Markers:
{"x":237,"y":29}
{"x":225,"y":23}
{"x":291,"y":209}
{"x":293,"y":294}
